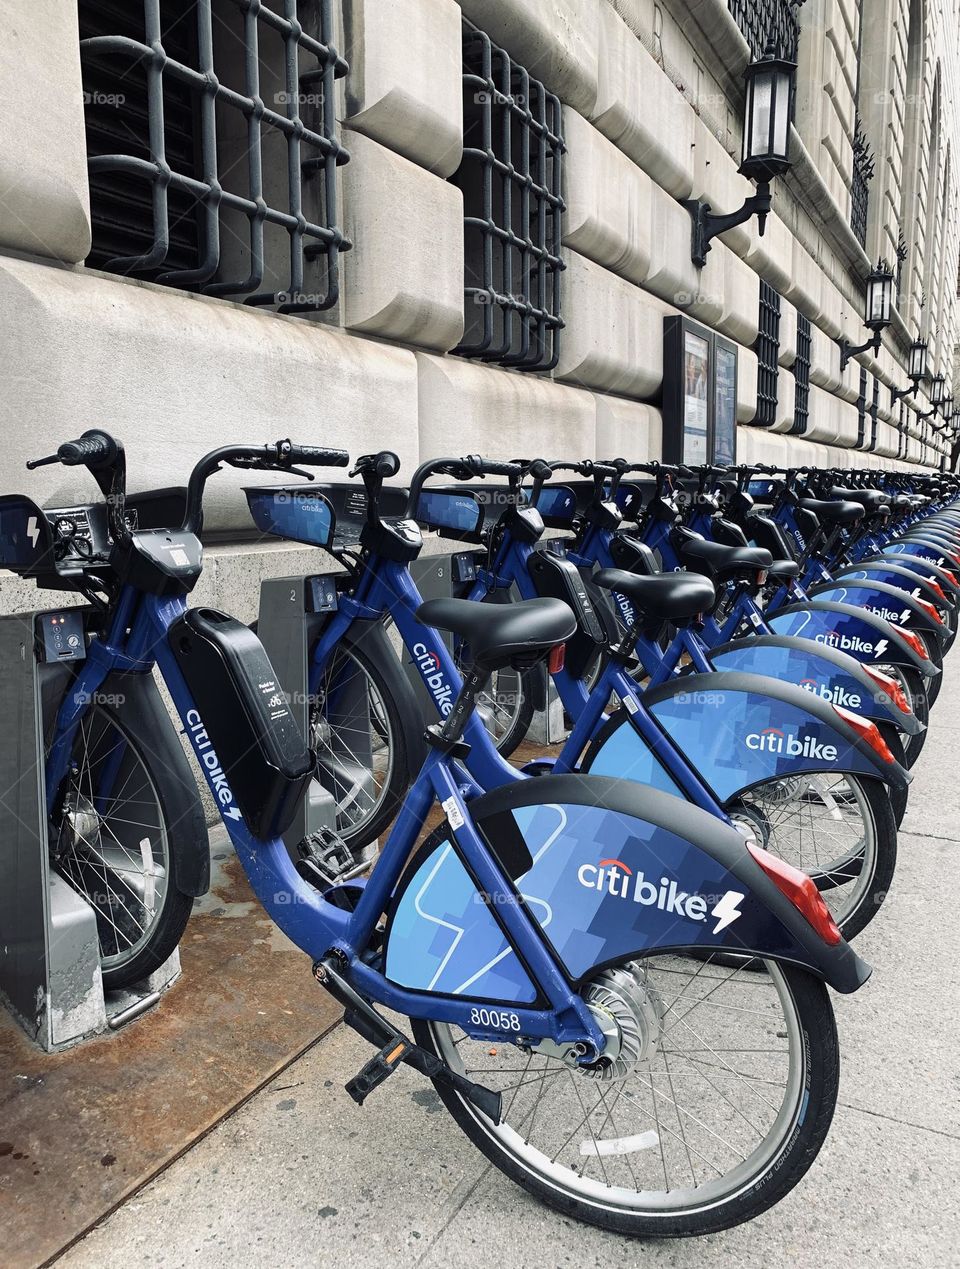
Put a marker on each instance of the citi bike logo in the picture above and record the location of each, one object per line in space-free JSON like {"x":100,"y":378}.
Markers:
{"x":851,"y":643}
{"x":616,"y":878}
{"x":429,"y":665}
{"x":835,"y":693}
{"x":207,"y":756}
{"x":626,"y":608}
{"x":773,"y":740}
{"x":898,"y":618}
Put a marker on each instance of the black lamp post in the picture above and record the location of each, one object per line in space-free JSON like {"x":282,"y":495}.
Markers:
{"x":877,"y":310}
{"x":766,"y":149}
{"x":917,"y":370}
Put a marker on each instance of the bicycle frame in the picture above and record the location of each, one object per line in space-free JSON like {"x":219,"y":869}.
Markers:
{"x":387,"y":587}
{"x":136,"y":641}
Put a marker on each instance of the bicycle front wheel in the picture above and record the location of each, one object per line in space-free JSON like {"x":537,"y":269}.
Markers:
{"x":358,"y":736}
{"x":112,"y":840}
{"x":719,"y":1099}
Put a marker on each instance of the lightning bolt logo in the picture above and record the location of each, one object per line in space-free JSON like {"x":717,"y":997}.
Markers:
{"x":727,"y":910}
{"x":234,"y":814}
{"x":33,"y":530}
{"x":881,"y":647}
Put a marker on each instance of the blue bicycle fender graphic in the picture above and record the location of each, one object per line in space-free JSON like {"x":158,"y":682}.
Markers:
{"x":875,"y":601}
{"x":603,"y":885}
{"x":736,"y":739}
{"x":848,"y":633}
{"x":813,"y":673}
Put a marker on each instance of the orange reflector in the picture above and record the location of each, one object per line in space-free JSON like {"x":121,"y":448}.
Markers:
{"x":867,"y":731}
{"x":914,"y":641}
{"x":931,"y":610}
{"x":801,"y":890}
{"x":556,"y":658}
{"x":892,"y":689}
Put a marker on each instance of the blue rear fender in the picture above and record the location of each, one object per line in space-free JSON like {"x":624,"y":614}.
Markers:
{"x":861,"y":634}
{"x":889,"y":602}
{"x":738,"y":731}
{"x":900,"y":576}
{"x":826,"y":673}
{"x":609,"y":871}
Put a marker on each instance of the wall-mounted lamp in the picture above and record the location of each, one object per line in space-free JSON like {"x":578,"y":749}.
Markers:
{"x":937,"y":388}
{"x":766,"y":149}
{"x":877,"y":312}
{"x":917,"y":370}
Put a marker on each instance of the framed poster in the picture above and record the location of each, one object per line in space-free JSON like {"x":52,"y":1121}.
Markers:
{"x":696,"y":374}
{"x":724,"y":402}
{"x":699,"y":394}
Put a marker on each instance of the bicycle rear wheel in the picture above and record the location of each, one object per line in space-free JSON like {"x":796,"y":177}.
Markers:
{"x":719,"y":1097}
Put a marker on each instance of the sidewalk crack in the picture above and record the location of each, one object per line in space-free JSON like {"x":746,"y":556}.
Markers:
{"x":906,"y":1123}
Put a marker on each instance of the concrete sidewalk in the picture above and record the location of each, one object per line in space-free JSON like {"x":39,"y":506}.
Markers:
{"x":301,"y":1176}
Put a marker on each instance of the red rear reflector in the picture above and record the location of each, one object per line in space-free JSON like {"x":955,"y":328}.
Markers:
{"x":867,"y":731}
{"x":955,"y":557}
{"x":892,"y":689}
{"x":935,"y":586}
{"x":800,"y":890}
{"x":556,"y":658}
{"x":951,"y":577}
{"x":914,"y":641}
{"x":931,"y":610}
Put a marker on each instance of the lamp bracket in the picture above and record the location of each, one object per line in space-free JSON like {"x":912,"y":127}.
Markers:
{"x":848,"y":350}
{"x":707,"y":224}
{"x":897,"y":394}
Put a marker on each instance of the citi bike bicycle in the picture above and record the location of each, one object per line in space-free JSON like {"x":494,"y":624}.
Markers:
{"x":619,"y":999}
{"x":806,"y":778}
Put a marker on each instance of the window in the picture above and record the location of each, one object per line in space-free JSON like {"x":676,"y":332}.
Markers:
{"x":860,"y":184}
{"x":758,"y":20}
{"x":510,"y":179}
{"x":212,"y":146}
{"x":801,"y":373}
{"x":767,"y":349}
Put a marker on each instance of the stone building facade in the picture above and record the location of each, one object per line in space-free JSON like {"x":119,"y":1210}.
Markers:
{"x":447,"y":227}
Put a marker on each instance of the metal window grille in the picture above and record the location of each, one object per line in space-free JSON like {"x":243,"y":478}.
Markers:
{"x":901,"y":260}
{"x":863,"y":165}
{"x":767,"y":349}
{"x":510,"y":180}
{"x":212,"y":146}
{"x":862,"y":410}
{"x":801,"y":373}
{"x":874,"y":412}
{"x":759,"y":20}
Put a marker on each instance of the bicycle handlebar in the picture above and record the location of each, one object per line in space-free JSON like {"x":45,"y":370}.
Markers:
{"x":282,"y":456}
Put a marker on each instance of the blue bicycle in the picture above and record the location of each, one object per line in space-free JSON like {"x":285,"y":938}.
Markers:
{"x":619,"y":999}
{"x":806,"y":780}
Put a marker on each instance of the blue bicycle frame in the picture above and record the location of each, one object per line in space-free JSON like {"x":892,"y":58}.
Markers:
{"x":387,"y":587}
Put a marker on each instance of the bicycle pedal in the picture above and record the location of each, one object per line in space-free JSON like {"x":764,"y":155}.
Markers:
{"x":325,"y":859}
{"x":379,"y":1068}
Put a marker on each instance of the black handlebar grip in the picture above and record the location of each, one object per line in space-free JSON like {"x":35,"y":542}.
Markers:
{"x":386,"y":464}
{"x":316,"y":456}
{"x":93,"y":449}
{"x":540,"y":470}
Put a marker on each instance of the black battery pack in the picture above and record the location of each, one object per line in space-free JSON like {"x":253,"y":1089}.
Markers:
{"x":255,"y":739}
{"x":560,"y":578}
